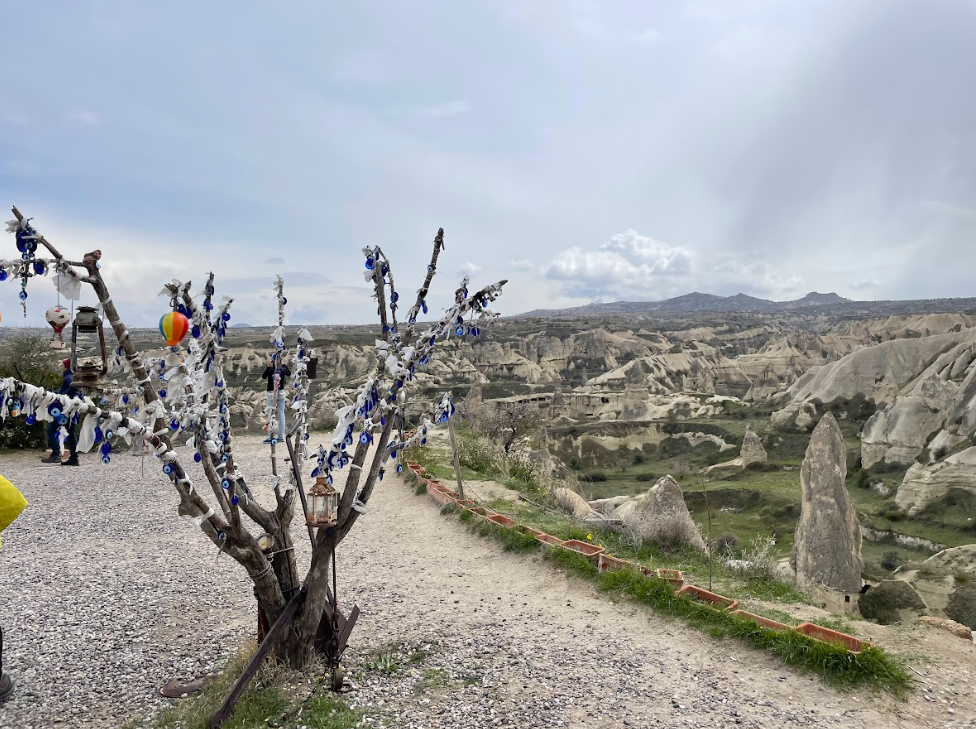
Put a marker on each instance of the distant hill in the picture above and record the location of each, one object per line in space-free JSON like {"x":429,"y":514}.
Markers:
{"x":240,"y":325}
{"x":696,"y":301}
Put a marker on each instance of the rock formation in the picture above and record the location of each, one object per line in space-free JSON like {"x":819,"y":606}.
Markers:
{"x":947,"y":583}
{"x":574,"y":504}
{"x":924,"y":485}
{"x":893,"y":601}
{"x":752,"y":449}
{"x":661,"y":515}
{"x":827,"y":545}
{"x":957,"y":629}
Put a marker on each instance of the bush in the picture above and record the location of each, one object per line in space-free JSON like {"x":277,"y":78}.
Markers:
{"x":891,"y":561}
{"x":481,"y":455}
{"x":763,"y":466}
{"x":29,"y":358}
{"x":727,"y":543}
{"x":595,"y":477}
{"x":861,"y":480}
{"x":645,"y":477}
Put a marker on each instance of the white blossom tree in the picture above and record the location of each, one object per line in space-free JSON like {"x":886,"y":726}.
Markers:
{"x":183,"y":396}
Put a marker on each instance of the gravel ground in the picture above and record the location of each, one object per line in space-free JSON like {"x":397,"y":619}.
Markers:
{"x":107,"y":594}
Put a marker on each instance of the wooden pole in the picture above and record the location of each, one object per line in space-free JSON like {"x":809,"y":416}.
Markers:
{"x":457,"y":462}
{"x":708,"y":511}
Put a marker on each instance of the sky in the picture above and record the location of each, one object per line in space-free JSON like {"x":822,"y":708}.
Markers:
{"x":586,"y":151}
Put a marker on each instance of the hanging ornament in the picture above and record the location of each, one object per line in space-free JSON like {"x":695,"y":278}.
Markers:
{"x":173,"y":326}
{"x":58,"y":317}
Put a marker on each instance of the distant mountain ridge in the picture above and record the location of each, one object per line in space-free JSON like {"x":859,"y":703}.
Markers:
{"x":697,"y":301}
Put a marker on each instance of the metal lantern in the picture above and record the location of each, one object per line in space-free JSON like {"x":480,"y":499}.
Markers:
{"x":89,"y":369}
{"x":323,"y":504}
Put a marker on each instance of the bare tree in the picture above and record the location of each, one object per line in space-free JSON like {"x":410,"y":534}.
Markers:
{"x":184,"y":395}
{"x":506,"y":421}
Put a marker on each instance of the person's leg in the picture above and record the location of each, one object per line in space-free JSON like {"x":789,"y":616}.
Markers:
{"x":52,"y":443}
{"x":71,"y":443}
{"x":269,"y":410}
{"x":282,"y":430}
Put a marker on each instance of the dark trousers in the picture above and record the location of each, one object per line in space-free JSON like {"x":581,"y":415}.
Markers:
{"x":70,"y":442}
{"x":52,"y":438}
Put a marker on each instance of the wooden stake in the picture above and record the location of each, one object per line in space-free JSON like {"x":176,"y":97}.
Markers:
{"x":457,"y":462}
{"x":708,"y":511}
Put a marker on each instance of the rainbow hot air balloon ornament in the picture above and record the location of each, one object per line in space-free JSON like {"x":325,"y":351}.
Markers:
{"x":174,"y":326}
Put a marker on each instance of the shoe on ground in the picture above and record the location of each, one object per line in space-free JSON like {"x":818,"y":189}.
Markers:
{"x":51,"y":459}
{"x":266,"y":440}
{"x":71,"y":462}
{"x":6,"y":686}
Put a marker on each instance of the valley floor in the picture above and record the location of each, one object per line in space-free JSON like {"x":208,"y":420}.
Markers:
{"x":107,"y":594}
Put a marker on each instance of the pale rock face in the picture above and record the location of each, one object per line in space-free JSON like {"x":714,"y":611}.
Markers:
{"x":661,"y":515}
{"x":924,"y":484}
{"x":827,"y":545}
{"x":574,"y":504}
{"x":752,"y":449}
{"x":937,"y":581}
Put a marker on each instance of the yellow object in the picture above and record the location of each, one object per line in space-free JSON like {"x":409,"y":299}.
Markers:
{"x":12,"y":502}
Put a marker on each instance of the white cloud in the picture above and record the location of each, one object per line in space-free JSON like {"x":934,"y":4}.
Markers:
{"x":521,"y":264}
{"x":275,"y":260}
{"x":633,"y":266}
{"x":468,"y":269}
{"x":451,"y":108}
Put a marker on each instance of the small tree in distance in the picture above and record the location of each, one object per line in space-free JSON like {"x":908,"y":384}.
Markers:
{"x":184,"y":394}
{"x":506,"y":421}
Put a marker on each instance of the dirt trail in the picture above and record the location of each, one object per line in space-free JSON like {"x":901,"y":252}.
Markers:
{"x":556,"y":650}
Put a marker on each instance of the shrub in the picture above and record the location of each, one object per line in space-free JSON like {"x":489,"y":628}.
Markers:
{"x":645,"y":477}
{"x":758,"y":563}
{"x":595,"y":477}
{"x":726,"y":543}
{"x":891,"y":561}
{"x":29,"y":358}
{"x":481,"y":455}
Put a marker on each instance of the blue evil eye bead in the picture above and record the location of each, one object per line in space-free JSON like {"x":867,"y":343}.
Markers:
{"x":225,"y":316}
{"x":274,"y":441}
{"x":370,"y":264}
{"x":393,"y":454}
{"x":207,"y":305}
{"x":109,"y":434}
{"x":162,"y":393}
{"x":423,"y":441}
{"x":348,"y":440}
{"x":168,"y":469}
{"x":315,"y":472}
{"x":364,"y":438}
{"x":234,"y":499}
{"x":222,"y":437}
{"x":383,"y":421}
{"x":219,"y":383}
{"x":384,"y":269}
{"x":105,"y":449}
{"x":106,"y":460}
{"x":423,"y":305}
{"x":98,"y":434}
{"x":328,"y":479}
{"x":195,"y":332}
{"x":197,"y":457}
{"x":284,"y":300}
{"x":225,"y":484}
{"x":30,"y":419}
{"x":381,"y":474}
{"x":3,"y":275}
{"x":125,"y":399}
{"x":174,"y":424}
{"x":431,"y":268}
{"x":459,"y":331}
{"x":460,"y":320}
{"x":22,"y":295}
{"x":476,"y":331}
{"x":39,"y":268}
{"x":412,"y":320}
{"x":399,"y":468}
{"x":62,"y":420}
{"x":395,"y":297}
{"x":443,"y":418}
{"x":224,"y":458}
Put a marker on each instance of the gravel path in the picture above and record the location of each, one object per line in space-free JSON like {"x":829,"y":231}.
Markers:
{"x":107,"y":594}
